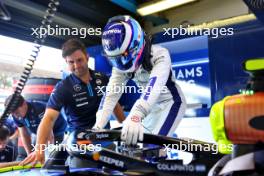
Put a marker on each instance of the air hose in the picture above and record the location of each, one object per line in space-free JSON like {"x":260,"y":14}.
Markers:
{"x":47,"y":20}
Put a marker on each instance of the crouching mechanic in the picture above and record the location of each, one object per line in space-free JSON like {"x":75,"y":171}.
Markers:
{"x":8,"y":152}
{"x":162,"y":104}
{"x":78,"y":94}
{"x":27,"y":117}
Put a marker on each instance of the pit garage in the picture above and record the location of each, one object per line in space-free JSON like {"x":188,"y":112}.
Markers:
{"x":216,"y":56}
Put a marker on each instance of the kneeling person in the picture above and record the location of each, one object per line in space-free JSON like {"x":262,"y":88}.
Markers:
{"x":8,"y":152}
{"x":28,"y":115}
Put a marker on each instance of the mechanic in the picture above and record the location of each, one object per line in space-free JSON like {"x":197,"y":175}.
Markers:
{"x":79,"y":94}
{"x":27,"y":116}
{"x":8,"y":152}
{"x":10,"y":124}
{"x":162,"y":103}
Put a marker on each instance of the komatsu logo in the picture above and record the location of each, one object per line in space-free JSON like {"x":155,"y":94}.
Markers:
{"x":111,"y":161}
{"x":112,"y":31}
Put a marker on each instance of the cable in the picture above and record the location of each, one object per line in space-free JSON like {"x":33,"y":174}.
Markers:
{"x":47,"y":20}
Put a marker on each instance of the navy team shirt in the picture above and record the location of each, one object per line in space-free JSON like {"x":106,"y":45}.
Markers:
{"x":9,"y":123}
{"x":79,"y":100}
{"x":9,"y":153}
{"x":34,"y":115}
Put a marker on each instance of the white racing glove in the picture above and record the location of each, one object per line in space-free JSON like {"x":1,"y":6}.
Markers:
{"x":101,"y":120}
{"x":132,"y":130}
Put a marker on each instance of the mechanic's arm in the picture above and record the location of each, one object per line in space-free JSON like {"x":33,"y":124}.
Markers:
{"x":51,"y":139}
{"x":26,"y":139}
{"x":119,"y":113}
{"x":44,"y":130}
{"x":9,"y":164}
{"x":15,"y":135}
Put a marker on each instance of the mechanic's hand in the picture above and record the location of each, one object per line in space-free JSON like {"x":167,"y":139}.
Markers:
{"x":101,"y":121}
{"x":132,"y":130}
{"x":33,"y":158}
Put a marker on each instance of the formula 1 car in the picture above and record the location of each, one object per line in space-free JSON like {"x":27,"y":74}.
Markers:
{"x":143,"y":159}
{"x":148,"y":158}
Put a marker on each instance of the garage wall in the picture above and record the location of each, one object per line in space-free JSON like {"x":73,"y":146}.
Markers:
{"x":197,"y":13}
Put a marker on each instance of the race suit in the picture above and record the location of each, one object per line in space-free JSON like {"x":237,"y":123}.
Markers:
{"x":161,"y":104}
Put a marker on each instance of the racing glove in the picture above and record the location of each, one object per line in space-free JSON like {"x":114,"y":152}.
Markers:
{"x":102,"y":119}
{"x":132,"y":130}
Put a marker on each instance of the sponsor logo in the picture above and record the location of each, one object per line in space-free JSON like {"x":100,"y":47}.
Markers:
{"x":82,"y":104}
{"x":41,"y":115}
{"x":80,"y":99}
{"x":98,"y":74}
{"x":79,"y":94}
{"x":101,"y":136}
{"x":135,"y":119}
{"x":77,"y":88}
{"x":112,"y":31}
{"x":98,"y":82}
{"x":112,"y":161}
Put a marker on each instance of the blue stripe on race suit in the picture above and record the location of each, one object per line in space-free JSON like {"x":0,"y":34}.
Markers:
{"x":152,"y":81}
{"x":174,"y":108}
